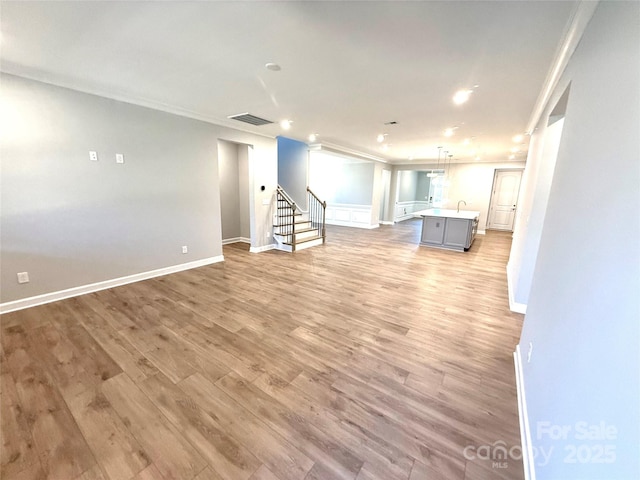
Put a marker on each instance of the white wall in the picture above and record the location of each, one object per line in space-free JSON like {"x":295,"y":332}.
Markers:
{"x":349,"y":187}
{"x":71,"y":222}
{"x":583,"y":316}
{"x":532,"y":208}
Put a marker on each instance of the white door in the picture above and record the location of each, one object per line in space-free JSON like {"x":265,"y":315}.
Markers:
{"x":504,"y":199}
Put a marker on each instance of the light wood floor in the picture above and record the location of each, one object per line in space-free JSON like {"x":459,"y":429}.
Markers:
{"x":368,"y":358}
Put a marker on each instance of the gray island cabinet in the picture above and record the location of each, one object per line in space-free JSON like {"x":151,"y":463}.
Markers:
{"x":450,"y":229}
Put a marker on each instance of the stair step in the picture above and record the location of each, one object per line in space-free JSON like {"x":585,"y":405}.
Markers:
{"x":305,"y":240}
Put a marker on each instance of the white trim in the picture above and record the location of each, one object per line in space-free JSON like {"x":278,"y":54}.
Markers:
{"x":94,"y":287}
{"x":133,"y":100}
{"x":344,"y":152}
{"x":481,"y":232}
{"x":525,"y":429}
{"x":262,"y":249}
{"x":575,"y":28}
{"x":513,"y":305}
{"x":384,"y":222}
{"x":236,"y":240}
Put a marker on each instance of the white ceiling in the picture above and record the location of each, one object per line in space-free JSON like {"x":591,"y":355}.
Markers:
{"x":347,"y":67}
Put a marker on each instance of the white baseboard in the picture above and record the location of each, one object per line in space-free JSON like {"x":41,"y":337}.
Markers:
{"x":386,"y":223}
{"x":525,"y":429}
{"x":482,"y":232}
{"x":513,"y":305}
{"x":338,"y":223}
{"x":236,"y":240}
{"x":94,"y":287}
{"x":262,"y":249}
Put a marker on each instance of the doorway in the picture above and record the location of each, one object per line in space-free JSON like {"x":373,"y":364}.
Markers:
{"x":233,"y":174}
{"x":384,"y":198}
{"x":504,"y":199}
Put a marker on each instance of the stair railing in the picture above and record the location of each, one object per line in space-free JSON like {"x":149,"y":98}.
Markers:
{"x":286,"y":214}
{"x":317,"y":214}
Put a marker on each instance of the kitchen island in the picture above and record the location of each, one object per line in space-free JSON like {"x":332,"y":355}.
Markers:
{"x":450,"y":229}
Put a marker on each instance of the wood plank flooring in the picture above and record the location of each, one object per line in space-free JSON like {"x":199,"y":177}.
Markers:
{"x":368,"y":358}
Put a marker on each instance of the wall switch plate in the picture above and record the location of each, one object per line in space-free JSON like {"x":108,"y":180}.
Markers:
{"x":119,"y":158}
{"x":185,"y":249}
{"x":93,"y":156}
{"x":23,"y":277}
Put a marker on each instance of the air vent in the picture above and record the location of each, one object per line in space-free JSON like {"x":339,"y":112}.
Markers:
{"x":248,"y":118}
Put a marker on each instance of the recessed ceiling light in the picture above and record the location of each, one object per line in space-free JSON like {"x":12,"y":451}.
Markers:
{"x":274,"y":67}
{"x":461,"y":96}
{"x":286,"y":124}
{"x":448,"y":132}
{"x":518,"y":138}
{"x":380,"y":137}
{"x":313,"y":137}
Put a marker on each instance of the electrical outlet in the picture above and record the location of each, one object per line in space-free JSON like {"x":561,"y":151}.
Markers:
{"x":268,"y":235}
{"x":93,"y":156}
{"x":530,"y":352}
{"x":23,"y":277}
{"x":119,"y":158}
{"x":185,"y":249}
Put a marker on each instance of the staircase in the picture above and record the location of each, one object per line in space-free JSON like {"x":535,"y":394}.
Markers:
{"x":295,"y":229}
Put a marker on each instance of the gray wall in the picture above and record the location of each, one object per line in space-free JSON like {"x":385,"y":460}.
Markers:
{"x":407,"y":183}
{"x":244,"y":190}
{"x":422,"y":187}
{"x":233,"y":168}
{"x":228,"y":167}
{"x":584,"y":308}
{"x":70,"y":222}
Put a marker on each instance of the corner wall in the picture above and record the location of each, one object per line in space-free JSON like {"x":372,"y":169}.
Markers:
{"x":583,"y":313}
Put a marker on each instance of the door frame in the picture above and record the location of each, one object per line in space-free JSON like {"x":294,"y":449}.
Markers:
{"x":493,"y":192}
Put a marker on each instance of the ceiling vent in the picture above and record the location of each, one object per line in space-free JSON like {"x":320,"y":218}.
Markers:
{"x":251,"y":119}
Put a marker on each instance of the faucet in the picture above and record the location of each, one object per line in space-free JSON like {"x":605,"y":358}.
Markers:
{"x":459,"y":202}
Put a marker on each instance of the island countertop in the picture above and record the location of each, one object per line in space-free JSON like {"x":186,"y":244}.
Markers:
{"x":446,"y":213}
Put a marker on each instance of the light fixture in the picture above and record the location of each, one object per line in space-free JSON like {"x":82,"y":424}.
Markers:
{"x":518,"y":138}
{"x":286,"y":124}
{"x":449,"y":132}
{"x":313,"y":137}
{"x":380,"y":137}
{"x":461,"y":96}
{"x":274,"y":67}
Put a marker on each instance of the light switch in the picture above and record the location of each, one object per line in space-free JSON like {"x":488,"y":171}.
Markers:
{"x":23,"y":277}
{"x":93,"y":156}
{"x":119,"y":158}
